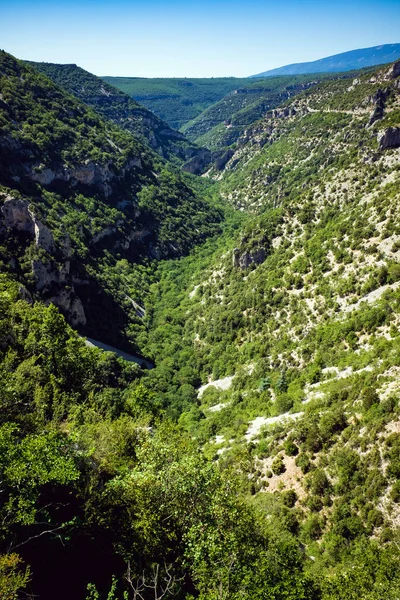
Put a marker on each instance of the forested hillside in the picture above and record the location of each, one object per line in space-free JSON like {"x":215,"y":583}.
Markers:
{"x":295,"y":328}
{"x":82,"y":200}
{"x":259,"y":458}
{"x":121,"y":109}
{"x":175,"y":100}
{"x":222,"y":123}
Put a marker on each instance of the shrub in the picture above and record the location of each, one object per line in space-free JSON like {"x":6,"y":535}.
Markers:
{"x":375,"y":517}
{"x":332,"y":422}
{"x":283,"y":403}
{"x":303,"y":461}
{"x":375,"y":483}
{"x":314,"y":503}
{"x":290,"y":448}
{"x":278,"y":466}
{"x":312,"y":528}
{"x":289,"y":498}
{"x":12,"y":576}
{"x":369,"y":397}
{"x":317,"y":482}
{"x":388,"y":405}
{"x":349,"y":528}
{"x":395,"y":492}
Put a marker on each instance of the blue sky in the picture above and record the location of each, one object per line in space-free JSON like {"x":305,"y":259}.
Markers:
{"x":192,"y":38}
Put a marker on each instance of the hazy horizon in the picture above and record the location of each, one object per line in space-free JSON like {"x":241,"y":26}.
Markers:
{"x":192,"y":39}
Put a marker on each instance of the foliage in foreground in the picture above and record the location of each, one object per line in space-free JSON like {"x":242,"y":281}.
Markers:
{"x":93,"y":481}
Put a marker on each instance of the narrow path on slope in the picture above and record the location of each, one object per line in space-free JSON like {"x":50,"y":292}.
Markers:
{"x":355,"y":113}
{"x":139,"y":360}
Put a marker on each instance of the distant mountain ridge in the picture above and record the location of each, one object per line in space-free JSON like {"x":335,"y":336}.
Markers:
{"x":346,"y":61}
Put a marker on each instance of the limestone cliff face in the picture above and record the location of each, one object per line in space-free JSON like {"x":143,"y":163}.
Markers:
{"x":20,"y":165}
{"x":18,"y":215}
{"x":55,"y":279}
{"x":51,"y":279}
{"x":54,"y":284}
{"x":88,"y":173}
{"x":282,"y":113}
{"x":200,"y":163}
{"x":394,"y":71}
{"x":379,"y":102}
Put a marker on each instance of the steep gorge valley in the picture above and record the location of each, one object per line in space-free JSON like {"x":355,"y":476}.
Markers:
{"x":250,"y":264}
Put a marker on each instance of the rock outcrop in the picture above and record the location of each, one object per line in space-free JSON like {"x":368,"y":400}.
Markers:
{"x":389,"y":138}
{"x":198,"y":164}
{"x":394,"y":70}
{"x":282,"y":113}
{"x":18,"y":215}
{"x":20,"y":164}
{"x":244,"y":260}
{"x":71,"y":306}
{"x":221,"y":161}
{"x":379,"y":100}
{"x":52,"y":280}
{"x":55,"y":285}
{"x":88,"y":173}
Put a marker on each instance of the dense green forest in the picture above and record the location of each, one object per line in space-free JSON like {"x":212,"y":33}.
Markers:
{"x":62,"y":162}
{"x":120,"y":108}
{"x":259,"y":457}
{"x":175,"y":100}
